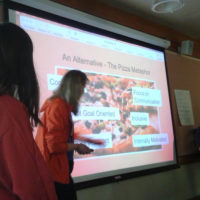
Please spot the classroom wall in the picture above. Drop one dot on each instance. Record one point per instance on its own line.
(183, 73)
(99, 9)
(178, 184)
(1, 11)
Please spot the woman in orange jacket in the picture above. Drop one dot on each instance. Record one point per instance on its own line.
(55, 136)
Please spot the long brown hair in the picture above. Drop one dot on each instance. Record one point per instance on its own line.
(17, 73)
(70, 88)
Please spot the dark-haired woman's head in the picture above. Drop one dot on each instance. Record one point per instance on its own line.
(72, 87)
(17, 74)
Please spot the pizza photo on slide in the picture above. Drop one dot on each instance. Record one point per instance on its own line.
(108, 112)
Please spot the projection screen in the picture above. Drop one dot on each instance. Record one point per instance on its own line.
(126, 102)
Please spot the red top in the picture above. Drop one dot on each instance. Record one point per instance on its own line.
(52, 137)
(23, 172)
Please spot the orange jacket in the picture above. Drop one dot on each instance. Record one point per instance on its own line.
(52, 137)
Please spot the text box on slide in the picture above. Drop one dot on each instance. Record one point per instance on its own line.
(150, 140)
(53, 81)
(146, 96)
(97, 113)
(139, 118)
(106, 137)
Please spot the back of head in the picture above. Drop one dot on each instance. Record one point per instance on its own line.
(71, 88)
(17, 74)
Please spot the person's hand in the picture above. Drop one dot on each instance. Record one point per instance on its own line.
(83, 149)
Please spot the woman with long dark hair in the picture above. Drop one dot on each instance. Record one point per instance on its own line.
(23, 172)
(55, 137)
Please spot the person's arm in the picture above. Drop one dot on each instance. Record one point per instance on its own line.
(89, 140)
(57, 143)
(57, 121)
(19, 173)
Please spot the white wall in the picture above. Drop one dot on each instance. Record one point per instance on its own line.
(178, 184)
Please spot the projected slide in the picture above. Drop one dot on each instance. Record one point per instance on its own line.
(125, 103)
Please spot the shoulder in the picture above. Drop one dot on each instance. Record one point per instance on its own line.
(60, 101)
(56, 109)
(11, 111)
(59, 104)
(11, 106)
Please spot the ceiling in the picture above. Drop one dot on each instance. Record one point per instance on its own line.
(185, 20)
